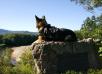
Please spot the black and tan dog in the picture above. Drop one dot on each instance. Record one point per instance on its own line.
(51, 33)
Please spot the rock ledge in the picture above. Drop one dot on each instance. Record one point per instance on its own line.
(58, 57)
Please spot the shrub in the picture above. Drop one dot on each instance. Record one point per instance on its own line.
(5, 65)
(25, 66)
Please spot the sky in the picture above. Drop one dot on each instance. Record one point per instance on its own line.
(18, 15)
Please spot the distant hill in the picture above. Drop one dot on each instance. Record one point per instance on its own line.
(3, 31)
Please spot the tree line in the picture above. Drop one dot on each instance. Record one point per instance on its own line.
(17, 39)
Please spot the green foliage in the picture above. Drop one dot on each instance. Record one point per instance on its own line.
(22, 69)
(2, 45)
(94, 71)
(92, 27)
(89, 71)
(78, 34)
(25, 66)
(100, 51)
(17, 39)
(5, 65)
(1, 36)
(89, 4)
(73, 72)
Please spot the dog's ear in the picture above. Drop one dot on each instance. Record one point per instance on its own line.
(43, 17)
(37, 18)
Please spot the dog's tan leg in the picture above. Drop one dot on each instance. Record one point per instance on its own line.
(40, 39)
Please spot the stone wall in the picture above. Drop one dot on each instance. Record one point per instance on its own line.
(58, 57)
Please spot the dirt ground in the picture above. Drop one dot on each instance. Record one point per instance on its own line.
(17, 52)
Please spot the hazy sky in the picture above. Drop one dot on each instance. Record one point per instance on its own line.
(19, 14)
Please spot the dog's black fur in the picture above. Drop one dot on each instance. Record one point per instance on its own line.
(51, 33)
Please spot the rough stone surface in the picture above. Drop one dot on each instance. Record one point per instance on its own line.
(58, 57)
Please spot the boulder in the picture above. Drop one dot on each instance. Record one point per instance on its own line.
(59, 57)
